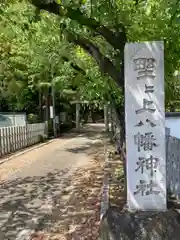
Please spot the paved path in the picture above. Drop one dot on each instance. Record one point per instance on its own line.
(47, 189)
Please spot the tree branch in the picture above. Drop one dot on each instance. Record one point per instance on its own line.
(105, 65)
(74, 66)
(117, 41)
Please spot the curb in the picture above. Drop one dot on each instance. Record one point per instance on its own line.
(105, 190)
(104, 205)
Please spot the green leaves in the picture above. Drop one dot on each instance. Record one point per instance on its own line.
(35, 49)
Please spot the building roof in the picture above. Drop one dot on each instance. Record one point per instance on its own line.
(172, 114)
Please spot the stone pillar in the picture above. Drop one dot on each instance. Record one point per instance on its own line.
(106, 117)
(145, 126)
(78, 116)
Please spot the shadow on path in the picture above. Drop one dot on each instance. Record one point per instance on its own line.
(63, 203)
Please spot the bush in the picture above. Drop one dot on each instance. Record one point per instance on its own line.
(32, 118)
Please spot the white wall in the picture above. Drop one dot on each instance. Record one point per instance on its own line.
(12, 119)
(174, 124)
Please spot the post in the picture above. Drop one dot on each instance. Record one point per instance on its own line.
(145, 126)
(53, 106)
(40, 104)
(111, 117)
(106, 117)
(78, 116)
(46, 108)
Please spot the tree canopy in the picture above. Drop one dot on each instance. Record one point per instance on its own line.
(79, 47)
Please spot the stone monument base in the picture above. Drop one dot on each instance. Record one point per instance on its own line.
(124, 225)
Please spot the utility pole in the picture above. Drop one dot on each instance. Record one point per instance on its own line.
(46, 109)
(53, 105)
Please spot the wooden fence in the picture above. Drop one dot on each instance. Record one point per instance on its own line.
(17, 137)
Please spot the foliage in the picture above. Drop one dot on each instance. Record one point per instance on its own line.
(79, 48)
(102, 27)
(34, 55)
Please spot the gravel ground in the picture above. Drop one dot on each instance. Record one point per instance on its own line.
(120, 224)
(53, 192)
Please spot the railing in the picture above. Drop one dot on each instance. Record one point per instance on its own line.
(17, 137)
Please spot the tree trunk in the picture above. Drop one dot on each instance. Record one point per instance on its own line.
(116, 39)
(40, 106)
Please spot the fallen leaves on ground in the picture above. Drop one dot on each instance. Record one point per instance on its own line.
(78, 217)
